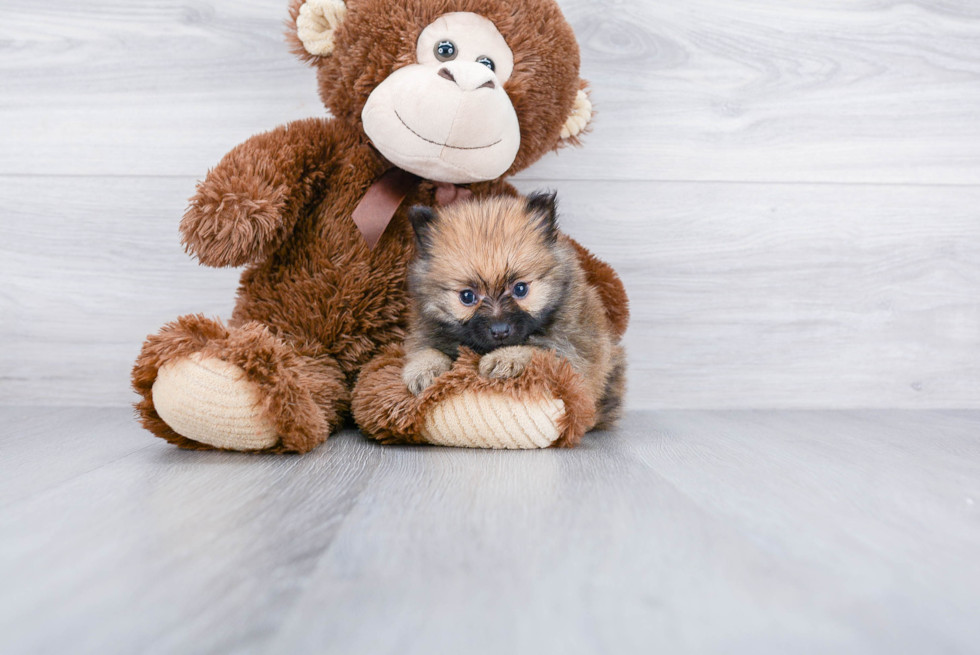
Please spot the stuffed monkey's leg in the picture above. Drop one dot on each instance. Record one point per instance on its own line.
(549, 404)
(208, 386)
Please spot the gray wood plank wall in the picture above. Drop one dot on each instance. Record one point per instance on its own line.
(791, 192)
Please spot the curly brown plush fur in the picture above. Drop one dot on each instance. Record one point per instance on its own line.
(315, 304)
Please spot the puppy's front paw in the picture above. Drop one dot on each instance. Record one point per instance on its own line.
(506, 362)
(423, 367)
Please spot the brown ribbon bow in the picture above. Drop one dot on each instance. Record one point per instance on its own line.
(378, 206)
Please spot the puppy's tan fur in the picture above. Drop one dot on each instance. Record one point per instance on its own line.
(489, 246)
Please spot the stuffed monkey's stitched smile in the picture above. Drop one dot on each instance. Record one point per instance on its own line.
(444, 145)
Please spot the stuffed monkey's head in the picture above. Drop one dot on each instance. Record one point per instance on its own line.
(452, 90)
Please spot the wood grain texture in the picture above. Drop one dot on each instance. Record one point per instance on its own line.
(768, 295)
(90, 266)
(742, 294)
(156, 549)
(682, 532)
(843, 91)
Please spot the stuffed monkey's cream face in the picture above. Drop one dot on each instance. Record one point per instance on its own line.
(447, 118)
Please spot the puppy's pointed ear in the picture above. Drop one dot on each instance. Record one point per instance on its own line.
(543, 205)
(422, 219)
(579, 118)
(312, 27)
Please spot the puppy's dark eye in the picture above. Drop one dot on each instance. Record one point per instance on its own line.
(445, 50)
(467, 297)
(486, 61)
(520, 289)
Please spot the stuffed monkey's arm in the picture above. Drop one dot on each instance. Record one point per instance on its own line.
(247, 205)
(602, 276)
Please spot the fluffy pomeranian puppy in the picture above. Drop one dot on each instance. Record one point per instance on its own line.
(497, 277)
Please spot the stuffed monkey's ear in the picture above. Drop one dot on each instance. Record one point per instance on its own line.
(579, 118)
(543, 205)
(315, 22)
(422, 218)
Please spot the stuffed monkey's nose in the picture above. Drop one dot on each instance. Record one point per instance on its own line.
(468, 76)
(500, 331)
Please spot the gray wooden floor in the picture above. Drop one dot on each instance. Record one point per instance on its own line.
(685, 531)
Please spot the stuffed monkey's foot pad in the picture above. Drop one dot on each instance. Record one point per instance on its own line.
(493, 420)
(212, 402)
(545, 406)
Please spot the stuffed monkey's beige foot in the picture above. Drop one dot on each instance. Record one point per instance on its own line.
(548, 404)
(493, 420)
(204, 385)
(212, 402)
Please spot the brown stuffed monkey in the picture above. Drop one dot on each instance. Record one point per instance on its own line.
(431, 101)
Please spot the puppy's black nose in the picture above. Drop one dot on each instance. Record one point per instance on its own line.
(500, 331)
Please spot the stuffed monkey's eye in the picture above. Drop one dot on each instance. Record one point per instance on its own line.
(445, 50)
(520, 289)
(486, 61)
(467, 297)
